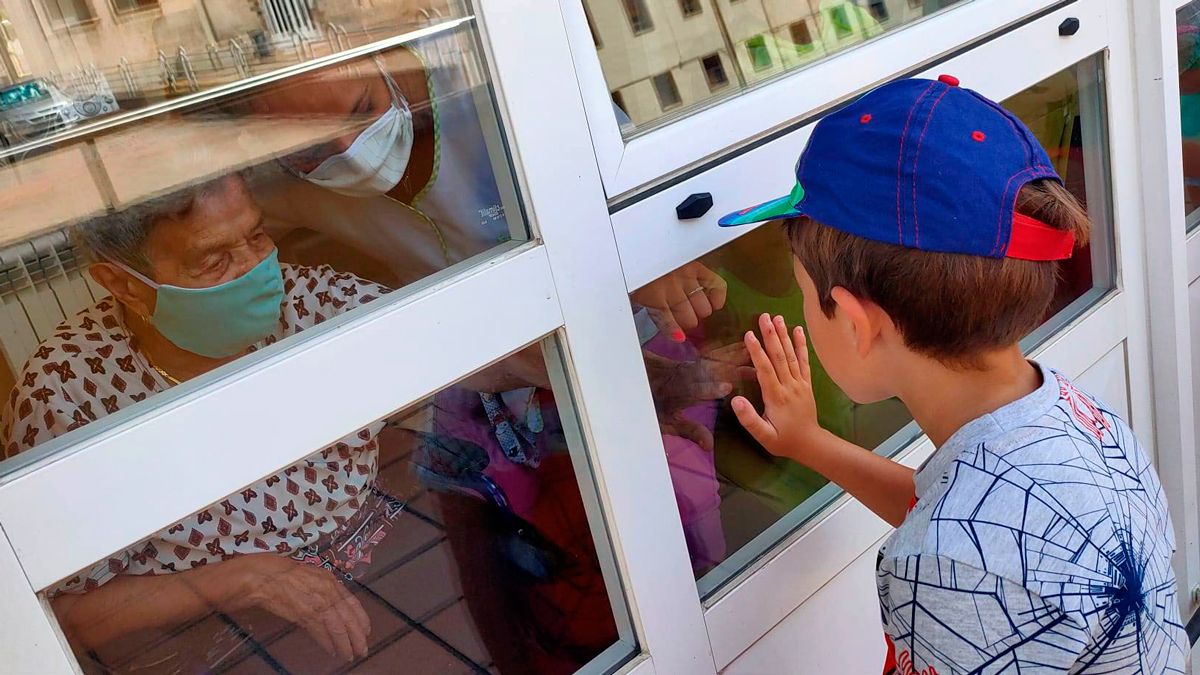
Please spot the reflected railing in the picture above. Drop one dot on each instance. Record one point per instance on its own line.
(148, 84)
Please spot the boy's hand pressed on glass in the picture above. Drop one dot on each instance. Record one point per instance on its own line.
(788, 426)
(789, 420)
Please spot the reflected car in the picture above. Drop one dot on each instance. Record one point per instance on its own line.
(33, 108)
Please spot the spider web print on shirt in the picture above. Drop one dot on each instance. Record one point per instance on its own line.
(1041, 543)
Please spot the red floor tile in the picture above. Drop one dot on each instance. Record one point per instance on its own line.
(455, 626)
(415, 654)
(423, 586)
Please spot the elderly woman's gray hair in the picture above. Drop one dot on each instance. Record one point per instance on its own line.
(120, 236)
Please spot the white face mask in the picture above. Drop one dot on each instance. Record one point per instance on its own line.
(376, 160)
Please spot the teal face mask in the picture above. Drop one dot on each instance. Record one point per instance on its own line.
(222, 320)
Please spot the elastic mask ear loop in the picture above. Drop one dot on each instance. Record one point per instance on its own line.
(136, 275)
(398, 99)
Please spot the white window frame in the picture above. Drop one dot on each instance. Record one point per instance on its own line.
(1157, 37)
(393, 356)
(1175, 252)
(652, 242)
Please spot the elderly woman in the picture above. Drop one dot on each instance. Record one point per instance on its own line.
(195, 283)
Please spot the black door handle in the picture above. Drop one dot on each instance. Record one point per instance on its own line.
(1068, 27)
(694, 206)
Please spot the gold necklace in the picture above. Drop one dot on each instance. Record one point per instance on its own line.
(169, 377)
(146, 355)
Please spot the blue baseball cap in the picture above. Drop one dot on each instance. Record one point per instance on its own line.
(924, 164)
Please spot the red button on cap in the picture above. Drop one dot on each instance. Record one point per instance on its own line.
(949, 79)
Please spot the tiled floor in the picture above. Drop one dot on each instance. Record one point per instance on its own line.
(419, 620)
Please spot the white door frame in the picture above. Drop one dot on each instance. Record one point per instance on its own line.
(601, 340)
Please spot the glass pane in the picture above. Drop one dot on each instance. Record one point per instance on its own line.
(1067, 114)
(141, 52)
(450, 537)
(1188, 38)
(162, 249)
(735, 499)
(641, 42)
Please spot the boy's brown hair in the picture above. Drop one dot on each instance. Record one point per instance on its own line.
(947, 306)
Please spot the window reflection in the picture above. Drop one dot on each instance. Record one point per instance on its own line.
(643, 42)
(639, 16)
(714, 72)
(138, 52)
(450, 537)
(735, 499)
(143, 255)
(1066, 112)
(156, 252)
(1188, 39)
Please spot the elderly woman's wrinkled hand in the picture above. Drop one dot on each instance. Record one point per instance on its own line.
(305, 595)
(679, 385)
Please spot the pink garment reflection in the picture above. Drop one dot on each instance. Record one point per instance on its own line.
(693, 469)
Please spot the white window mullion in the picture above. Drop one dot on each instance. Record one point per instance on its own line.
(564, 190)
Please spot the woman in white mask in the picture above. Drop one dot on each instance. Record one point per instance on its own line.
(410, 187)
(377, 159)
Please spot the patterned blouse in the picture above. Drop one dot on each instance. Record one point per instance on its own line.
(91, 367)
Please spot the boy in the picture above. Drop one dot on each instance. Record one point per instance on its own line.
(1036, 539)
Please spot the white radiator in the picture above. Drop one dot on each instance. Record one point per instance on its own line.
(42, 282)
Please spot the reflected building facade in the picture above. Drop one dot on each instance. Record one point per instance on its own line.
(661, 57)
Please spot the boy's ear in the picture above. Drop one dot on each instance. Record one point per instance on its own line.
(864, 319)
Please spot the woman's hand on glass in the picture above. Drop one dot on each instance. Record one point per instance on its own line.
(680, 300)
(679, 385)
(305, 595)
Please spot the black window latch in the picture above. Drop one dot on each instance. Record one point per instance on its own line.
(694, 206)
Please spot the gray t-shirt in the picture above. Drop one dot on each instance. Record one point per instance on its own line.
(1040, 542)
